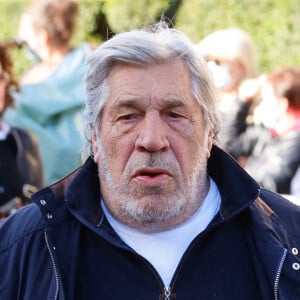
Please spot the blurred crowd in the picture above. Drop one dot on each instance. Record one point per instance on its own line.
(260, 111)
(41, 131)
(45, 106)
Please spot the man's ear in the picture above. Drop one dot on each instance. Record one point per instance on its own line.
(95, 146)
(210, 141)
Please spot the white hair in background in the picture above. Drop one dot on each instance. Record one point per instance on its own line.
(233, 44)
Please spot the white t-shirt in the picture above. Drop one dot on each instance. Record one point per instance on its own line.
(165, 249)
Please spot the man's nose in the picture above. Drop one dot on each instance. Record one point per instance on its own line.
(152, 133)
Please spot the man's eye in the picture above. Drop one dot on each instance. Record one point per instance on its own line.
(127, 117)
(173, 115)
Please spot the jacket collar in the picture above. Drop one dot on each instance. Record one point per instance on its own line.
(238, 190)
(80, 190)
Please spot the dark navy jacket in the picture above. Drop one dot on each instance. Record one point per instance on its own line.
(57, 247)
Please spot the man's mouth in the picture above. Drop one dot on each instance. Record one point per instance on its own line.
(149, 176)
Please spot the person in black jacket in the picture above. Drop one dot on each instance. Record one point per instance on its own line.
(20, 164)
(158, 210)
(267, 140)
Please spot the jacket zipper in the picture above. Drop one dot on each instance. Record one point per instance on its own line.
(54, 266)
(167, 293)
(276, 283)
(166, 290)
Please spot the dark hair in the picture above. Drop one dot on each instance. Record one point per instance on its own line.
(7, 66)
(286, 83)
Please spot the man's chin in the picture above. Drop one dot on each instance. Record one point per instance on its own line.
(151, 223)
(152, 208)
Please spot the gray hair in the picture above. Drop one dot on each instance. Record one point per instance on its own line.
(139, 48)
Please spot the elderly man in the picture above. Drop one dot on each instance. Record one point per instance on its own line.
(158, 210)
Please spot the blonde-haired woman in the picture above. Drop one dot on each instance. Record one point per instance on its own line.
(233, 58)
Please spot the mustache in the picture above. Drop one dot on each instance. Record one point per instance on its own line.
(155, 160)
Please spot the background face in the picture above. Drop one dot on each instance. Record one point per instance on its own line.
(152, 159)
(269, 110)
(28, 34)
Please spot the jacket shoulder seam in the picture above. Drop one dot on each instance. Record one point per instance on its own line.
(17, 239)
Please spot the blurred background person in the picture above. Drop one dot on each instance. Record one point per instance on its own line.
(52, 92)
(232, 58)
(20, 164)
(268, 145)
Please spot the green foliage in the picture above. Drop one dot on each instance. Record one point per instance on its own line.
(86, 21)
(273, 24)
(127, 14)
(9, 18)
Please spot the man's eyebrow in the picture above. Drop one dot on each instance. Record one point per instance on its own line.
(136, 103)
(172, 103)
(128, 103)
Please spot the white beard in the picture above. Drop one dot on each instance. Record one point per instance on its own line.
(141, 206)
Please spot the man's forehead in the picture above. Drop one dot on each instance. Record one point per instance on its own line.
(168, 84)
(122, 69)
